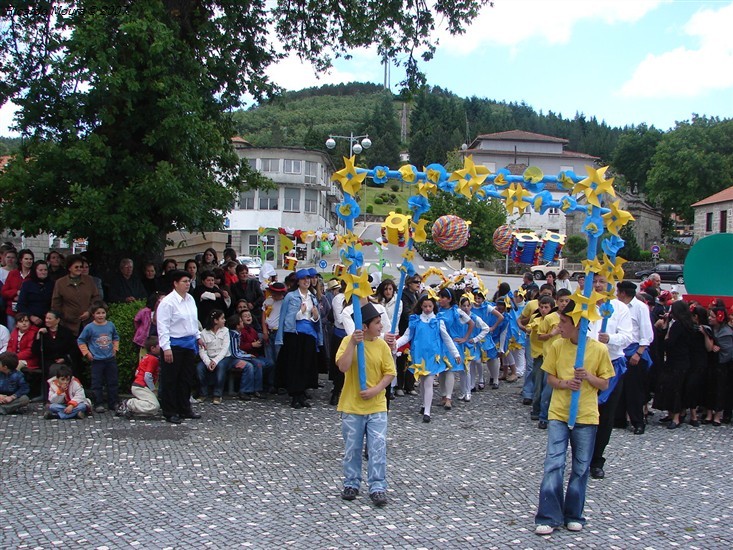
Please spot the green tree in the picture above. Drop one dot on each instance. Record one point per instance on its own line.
(384, 131)
(633, 154)
(125, 107)
(575, 247)
(631, 250)
(485, 217)
(691, 162)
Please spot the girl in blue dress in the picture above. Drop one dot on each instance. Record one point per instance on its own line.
(459, 326)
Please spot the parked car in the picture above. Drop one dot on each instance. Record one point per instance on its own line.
(540, 271)
(671, 273)
(253, 263)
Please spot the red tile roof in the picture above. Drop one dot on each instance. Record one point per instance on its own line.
(520, 135)
(3, 161)
(723, 196)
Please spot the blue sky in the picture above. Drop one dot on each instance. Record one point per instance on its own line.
(623, 61)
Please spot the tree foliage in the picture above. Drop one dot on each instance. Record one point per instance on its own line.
(384, 132)
(485, 217)
(692, 161)
(125, 106)
(633, 154)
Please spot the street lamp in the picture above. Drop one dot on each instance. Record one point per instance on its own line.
(354, 146)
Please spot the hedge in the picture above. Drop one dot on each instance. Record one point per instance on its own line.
(123, 317)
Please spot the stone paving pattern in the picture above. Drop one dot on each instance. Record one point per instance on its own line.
(259, 474)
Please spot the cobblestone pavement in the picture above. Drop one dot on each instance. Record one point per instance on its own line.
(262, 475)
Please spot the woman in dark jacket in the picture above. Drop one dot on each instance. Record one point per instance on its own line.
(55, 344)
(36, 292)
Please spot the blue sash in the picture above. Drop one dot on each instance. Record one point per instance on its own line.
(187, 342)
(306, 327)
(619, 366)
(631, 350)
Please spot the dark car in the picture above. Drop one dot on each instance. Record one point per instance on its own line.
(671, 273)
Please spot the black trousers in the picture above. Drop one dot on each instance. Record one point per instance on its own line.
(636, 391)
(607, 413)
(405, 379)
(176, 379)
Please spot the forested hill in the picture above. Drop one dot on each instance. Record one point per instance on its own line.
(436, 122)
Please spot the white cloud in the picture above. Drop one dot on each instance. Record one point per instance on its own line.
(511, 22)
(7, 112)
(684, 72)
(293, 74)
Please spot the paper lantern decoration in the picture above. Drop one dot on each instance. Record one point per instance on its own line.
(338, 270)
(395, 229)
(503, 238)
(552, 244)
(450, 232)
(525, 248)
(290, 263)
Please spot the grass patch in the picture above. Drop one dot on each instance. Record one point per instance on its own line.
(402, 195)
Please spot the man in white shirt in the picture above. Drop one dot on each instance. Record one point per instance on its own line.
(638, 360)
(179, 338)
(616, 336)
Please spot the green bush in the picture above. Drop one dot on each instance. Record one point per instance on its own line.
(123, 316)
(378, 200)
(398, 210)
(394, 187)
(370, 209)
(645, 255)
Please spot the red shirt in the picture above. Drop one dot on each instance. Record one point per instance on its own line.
(23, 348)
(149, 363)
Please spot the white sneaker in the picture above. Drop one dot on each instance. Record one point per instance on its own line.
(461, 397)
(399, 393)
(467, 398)
(574, 526)
(543, 530)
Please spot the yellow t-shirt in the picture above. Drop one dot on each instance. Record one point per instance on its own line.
(379, 362)
(550, 321)
(560, 362)
(529, 308)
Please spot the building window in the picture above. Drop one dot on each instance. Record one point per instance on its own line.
(311, 172)
(554, 211)
(723, 221)
(268, 200)
(270, 165)
(247, 200)
(709, 222)
(311, 201)
(252, 163)
(291, 199)
(292, 166)
(256, 240)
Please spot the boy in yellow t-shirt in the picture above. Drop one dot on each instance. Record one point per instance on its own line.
(364, 412)
(537, 326)
(554, 510)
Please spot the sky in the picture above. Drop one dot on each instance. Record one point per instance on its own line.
(623, 61)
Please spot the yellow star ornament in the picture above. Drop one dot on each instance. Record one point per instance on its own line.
(419, 370)
(595, 185)
(419, 235)
(612, 271)
(585, 307)
(357, 284)
(349, 178)
(591, 266)
(425, 188)
(469, 178)
(515, 198)
(409, 254)
(616, 218)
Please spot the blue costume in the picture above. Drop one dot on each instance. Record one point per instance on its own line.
(456, 329)
(426, 345)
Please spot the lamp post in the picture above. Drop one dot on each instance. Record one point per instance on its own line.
(354, 148)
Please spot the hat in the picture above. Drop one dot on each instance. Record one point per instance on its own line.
(627, 287)
(312, 272)
(368, 312)
(333, 283)
(277, 287)
(267, 271)
(302, 274)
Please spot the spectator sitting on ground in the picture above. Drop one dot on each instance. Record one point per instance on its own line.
(144, 401)
(125, 286)
(13, 387)
(66, 396)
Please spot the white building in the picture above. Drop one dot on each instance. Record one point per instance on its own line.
(305, 198)
(714, 214)
(517, 150)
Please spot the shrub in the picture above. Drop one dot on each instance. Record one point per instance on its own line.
(370, 209)
(378, 200)
(123, 316)
(398, 210)
(394, 187)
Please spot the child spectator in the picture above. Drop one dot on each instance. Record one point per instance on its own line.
(99, 342)
(252, 344)
(215, 356)
(14, 389)
(251, 377)
(271, 319)
(364, 412)
(145, 322)
(144, 401)
(66, 396)
(21, 342)
(554, 510)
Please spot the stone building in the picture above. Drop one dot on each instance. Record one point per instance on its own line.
(713, 214)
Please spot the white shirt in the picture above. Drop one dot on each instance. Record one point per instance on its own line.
(338, 310)
(217, 346)
(176, 317)
(4, 338)
(348, 320)
(619, 329)
(642, 330)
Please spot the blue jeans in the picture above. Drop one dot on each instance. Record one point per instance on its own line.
(554, 510)
(353, 429)
(540, 381)
(528, 386)
(216, 377)
(58, 408)
(545, 397)
(104, 373)
(255, 370)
